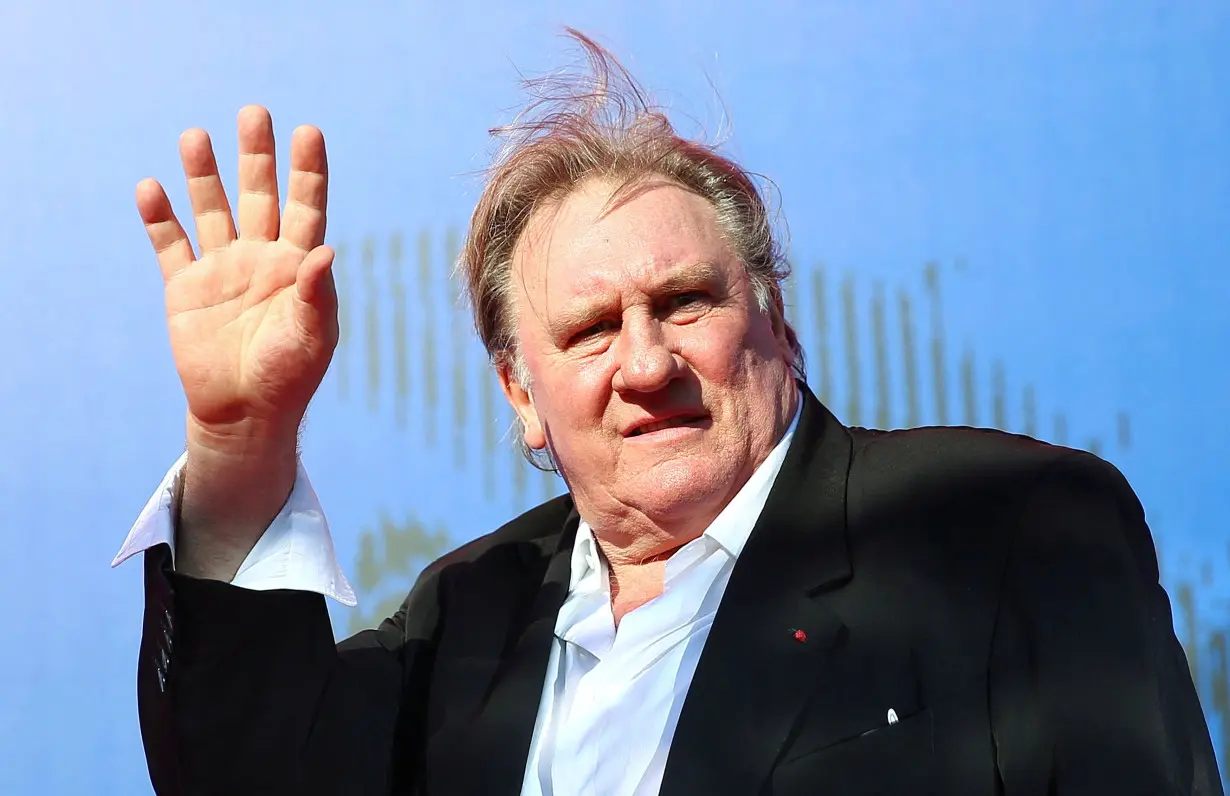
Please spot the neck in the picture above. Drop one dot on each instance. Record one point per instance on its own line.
(633, 585)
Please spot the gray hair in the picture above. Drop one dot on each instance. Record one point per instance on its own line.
(599, 125)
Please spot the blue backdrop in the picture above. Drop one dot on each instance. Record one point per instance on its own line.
(1008, 214)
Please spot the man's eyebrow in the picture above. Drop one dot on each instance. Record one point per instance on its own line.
(583, 314)
(694, 275)
(577, 316)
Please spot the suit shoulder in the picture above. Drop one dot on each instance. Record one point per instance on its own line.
(956, 440)
(961, 465)
(1084, 483)
(957, 451)
(536, 527)
(958, 462)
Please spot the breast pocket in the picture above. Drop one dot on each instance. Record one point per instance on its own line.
(891, 759)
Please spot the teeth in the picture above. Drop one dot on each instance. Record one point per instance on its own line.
(661, 424)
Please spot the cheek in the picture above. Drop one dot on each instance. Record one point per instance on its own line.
(721, 349)
(575, 392)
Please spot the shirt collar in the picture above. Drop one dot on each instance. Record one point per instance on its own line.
(730, 529)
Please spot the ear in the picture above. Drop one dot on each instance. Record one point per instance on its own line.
(523, 404)
(782, 332)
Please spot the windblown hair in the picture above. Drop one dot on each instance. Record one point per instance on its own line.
(598, 124)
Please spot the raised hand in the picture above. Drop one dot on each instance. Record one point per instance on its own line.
(253, 319)
(253, 325)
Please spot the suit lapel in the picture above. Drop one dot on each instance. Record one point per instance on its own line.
(772, 634)
(487, 757)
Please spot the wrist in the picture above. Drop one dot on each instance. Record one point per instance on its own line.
(236, 480)
(249, 440)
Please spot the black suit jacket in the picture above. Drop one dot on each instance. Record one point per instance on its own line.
(1000, 595)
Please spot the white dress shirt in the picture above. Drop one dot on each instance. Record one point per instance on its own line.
(294, 552)
(610, 701)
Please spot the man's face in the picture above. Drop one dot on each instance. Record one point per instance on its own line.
(655, 378)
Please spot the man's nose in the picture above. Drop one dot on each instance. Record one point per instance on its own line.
(645, 361)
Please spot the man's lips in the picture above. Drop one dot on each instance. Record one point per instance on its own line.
(659, 423)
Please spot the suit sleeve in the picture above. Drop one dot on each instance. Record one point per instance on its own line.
(1090, 689)
(243, 691)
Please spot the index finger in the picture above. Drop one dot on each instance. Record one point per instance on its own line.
(303, 221)
(166, 234)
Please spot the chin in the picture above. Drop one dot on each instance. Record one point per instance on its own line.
(677, 485)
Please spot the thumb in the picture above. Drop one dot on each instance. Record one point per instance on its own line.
(317, 293)
(314, 281)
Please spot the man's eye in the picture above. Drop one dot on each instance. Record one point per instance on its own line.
(598, 328)
(682, 300)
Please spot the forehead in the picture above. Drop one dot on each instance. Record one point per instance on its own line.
(588, 243)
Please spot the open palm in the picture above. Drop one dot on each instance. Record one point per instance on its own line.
(253, 319)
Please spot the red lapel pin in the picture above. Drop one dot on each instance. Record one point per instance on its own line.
(799, 635)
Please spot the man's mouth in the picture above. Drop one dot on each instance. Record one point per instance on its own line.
(672, 422)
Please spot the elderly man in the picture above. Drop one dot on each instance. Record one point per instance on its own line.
(737, 595)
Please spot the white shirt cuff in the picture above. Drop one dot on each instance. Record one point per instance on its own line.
(295, 551)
